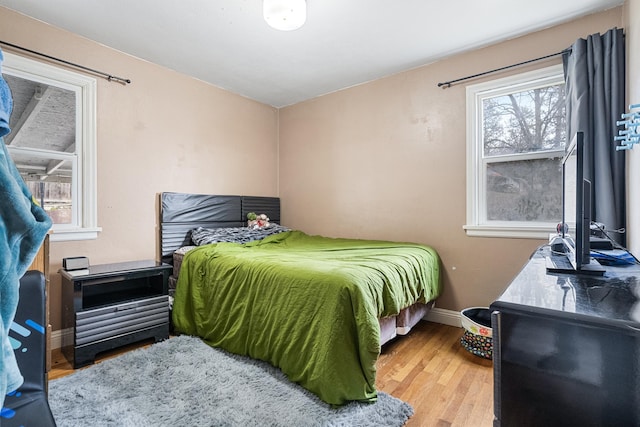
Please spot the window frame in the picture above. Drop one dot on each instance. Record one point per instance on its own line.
(84, 224)
(477, 223)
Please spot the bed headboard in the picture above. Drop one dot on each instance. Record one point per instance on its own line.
(182, 212)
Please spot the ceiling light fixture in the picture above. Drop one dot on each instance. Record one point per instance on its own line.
(285, 15)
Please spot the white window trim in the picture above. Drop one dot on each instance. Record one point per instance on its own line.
(85, 226)
(477, 225)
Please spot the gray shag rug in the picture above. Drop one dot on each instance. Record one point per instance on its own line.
(185, 382)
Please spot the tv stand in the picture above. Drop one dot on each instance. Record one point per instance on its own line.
(566, 348)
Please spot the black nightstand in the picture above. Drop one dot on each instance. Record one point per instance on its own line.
(112, 305)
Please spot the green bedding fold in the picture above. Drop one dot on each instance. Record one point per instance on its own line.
(307, 304)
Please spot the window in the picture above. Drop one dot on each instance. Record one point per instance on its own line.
(516, 136)
(53, 142)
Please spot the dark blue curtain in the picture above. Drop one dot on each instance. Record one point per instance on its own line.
(594, 70)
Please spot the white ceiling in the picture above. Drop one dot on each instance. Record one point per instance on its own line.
(343, 43)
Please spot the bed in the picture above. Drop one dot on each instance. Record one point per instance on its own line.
(318, 308)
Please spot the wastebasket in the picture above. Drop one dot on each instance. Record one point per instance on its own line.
(478, 335)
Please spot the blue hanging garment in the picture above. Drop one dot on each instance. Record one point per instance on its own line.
(6, 103)
(23, 227)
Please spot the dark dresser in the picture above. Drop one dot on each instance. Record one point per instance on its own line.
(112, 305)
(567, 348)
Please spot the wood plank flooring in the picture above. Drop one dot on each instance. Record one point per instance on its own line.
(446, 385)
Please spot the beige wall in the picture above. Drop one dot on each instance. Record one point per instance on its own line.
(632, 31)
(381, 160)
(386, 160)
(163, 132)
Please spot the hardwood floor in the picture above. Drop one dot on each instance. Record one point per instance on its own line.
(445, 384)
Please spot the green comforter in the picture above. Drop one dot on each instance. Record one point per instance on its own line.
(307, 304)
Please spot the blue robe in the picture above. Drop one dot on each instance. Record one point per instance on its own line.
(23, 227)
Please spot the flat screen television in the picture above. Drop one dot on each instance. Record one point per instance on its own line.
(575, 255)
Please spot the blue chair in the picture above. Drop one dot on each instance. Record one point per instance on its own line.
(28, 406)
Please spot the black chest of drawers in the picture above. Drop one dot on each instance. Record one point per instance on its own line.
(567, 348)
(112, 305)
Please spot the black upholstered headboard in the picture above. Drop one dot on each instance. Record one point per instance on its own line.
(182, 212)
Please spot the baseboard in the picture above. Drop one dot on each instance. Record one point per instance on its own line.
(61, 337)
(446, 317)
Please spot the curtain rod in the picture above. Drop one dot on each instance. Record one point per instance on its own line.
(445, 85)
(107, 76)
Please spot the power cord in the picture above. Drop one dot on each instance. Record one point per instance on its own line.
(615, 244)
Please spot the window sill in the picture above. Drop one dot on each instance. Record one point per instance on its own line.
(509, 231)
(74, 234)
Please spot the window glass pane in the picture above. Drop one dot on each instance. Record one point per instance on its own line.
(528, 190)
(43, 117)
(49, 180)
(523, 122)
(53, 131)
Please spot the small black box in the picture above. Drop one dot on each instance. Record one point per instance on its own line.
(75, 263)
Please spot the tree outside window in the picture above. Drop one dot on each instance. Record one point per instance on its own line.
(516, 140)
